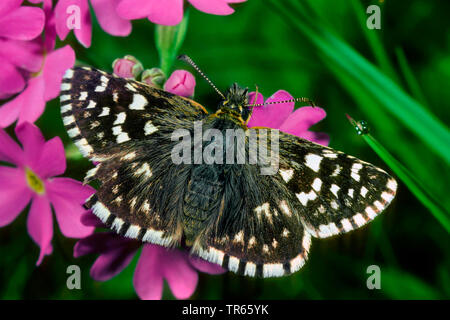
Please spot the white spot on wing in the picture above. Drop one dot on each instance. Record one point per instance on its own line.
(139, 102)
(317, 184)
(83, 96)
(149, 128)
(305, 197)
(144, 169)
(313, 161)
(92, 105)
(364, 191)
(285, 208)
(286, 174)
(120, 118)
(359, 219)
(65, 86)
(68, 74)
(123, 137)
(346, 225)
(273, 270)
(105, 112)
(334, 189)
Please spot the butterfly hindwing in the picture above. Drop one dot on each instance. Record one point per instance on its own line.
(335, 193)
(251, 228)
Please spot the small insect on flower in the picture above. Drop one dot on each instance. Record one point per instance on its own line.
(226, 213)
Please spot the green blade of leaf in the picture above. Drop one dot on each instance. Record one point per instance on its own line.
(407, 178)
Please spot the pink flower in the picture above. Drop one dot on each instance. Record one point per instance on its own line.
(283, 117)
(155, 264)
(43, 83)
(181, 82)
(170, 12)
(18, 25)
(41, 87)
(127, 67)
(32, 179)
(74, 14)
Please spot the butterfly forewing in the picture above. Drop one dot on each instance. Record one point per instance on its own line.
(125, 126)
(100, 110)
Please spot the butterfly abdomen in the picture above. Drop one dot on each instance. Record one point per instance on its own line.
(202, 199)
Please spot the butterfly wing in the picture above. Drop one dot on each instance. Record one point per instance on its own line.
(101, 110)
(267, 220)
(125, 126)
(335, 192)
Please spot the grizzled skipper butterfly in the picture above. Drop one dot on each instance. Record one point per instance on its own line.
(228, 214)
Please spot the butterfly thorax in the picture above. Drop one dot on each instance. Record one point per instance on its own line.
(235, 104)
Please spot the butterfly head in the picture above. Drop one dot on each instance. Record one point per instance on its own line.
(236, 101)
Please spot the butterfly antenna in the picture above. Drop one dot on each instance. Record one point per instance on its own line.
(284, 101)
(187, 59)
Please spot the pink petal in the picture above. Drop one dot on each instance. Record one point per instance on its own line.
(24, 23)
(110, 264)
(10, 151)
(56, 63)
(22, 54)
(9, 112)
(302, 119)
(30, 102)
(91, 220)
(219, 7)
(7, 6)
(70, 188)
(68, 214)
(14, 194)
(83, 34)
(272, 115)
(317, 137)
(148, 279)
(134, 9)
(205, 266)
(180, 275)
(11, 80)
(181, 82)
(166, 12)
(53, 159)
(32, 141)
(115, 253)
(109, 20)
(40, 224)
(251, 100)
(50, 26)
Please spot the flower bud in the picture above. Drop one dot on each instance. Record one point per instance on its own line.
(127, 67)
(181, 82)
(154, 77)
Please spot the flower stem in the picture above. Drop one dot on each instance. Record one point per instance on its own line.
(169, 40)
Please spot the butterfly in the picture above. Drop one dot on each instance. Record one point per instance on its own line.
(253, 224)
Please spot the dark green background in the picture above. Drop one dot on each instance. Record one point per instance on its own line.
(257, 45)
